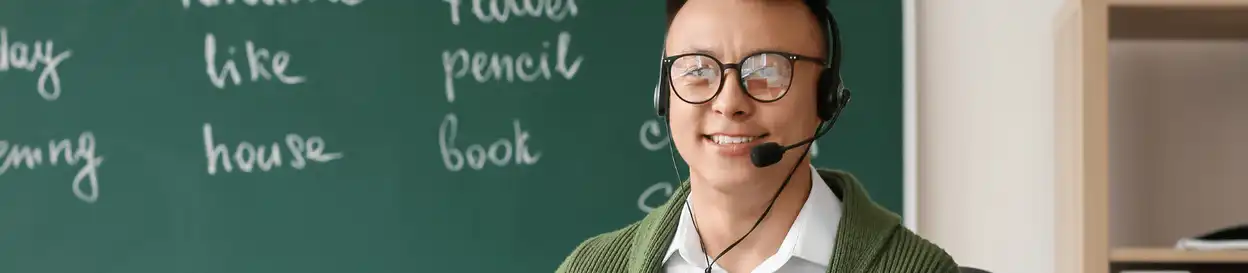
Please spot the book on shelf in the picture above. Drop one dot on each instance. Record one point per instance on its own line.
(1230, 238)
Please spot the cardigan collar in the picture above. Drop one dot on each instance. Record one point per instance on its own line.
(862, 233)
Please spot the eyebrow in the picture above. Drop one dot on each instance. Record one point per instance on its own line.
(698, 50)
(712, 53)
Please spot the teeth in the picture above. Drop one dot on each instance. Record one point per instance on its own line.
(731, 139)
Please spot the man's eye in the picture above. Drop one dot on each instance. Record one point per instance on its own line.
(764, 72)
(697, 72)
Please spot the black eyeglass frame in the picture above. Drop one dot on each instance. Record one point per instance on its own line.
(723, 73)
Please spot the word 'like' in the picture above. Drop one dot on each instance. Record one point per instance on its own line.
(498, 67)
(259, 62)
(19, 55)
(555, 10)
(500, 152)
(248, 156)
(16, 155)
(186, 4)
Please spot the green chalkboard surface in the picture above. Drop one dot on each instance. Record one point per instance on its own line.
(357, 135)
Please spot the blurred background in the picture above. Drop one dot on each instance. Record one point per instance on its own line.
(495, 135)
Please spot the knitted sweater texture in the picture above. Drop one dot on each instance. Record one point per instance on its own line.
(870, 239)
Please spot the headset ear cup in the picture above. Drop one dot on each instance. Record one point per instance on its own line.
(829, 94)
(660, 95)
(661, 89)
(657, 109)
(660, 98)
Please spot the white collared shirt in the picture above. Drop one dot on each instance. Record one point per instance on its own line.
(807, 247)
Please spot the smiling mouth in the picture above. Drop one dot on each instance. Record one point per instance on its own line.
(731, 140)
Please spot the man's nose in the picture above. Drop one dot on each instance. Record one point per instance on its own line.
(732, 101)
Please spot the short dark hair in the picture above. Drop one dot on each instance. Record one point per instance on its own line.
(817, 7)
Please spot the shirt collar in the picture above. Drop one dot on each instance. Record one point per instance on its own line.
(821, 213)
(812, 236)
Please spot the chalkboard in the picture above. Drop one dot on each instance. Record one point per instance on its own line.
(357, 135)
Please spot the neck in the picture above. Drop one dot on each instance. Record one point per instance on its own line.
(724, 215)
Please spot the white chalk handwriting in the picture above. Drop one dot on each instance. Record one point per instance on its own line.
(498, 66)
(248, 157)
(653, 129)
(29, 56)
(260, 64)
(186, 4)
(645, 195)
(16, 156)
(494, 11)
(500, 153)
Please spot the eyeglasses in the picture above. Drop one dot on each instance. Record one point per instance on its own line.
(765, 76)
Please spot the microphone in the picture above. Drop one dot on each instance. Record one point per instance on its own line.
(769, 153)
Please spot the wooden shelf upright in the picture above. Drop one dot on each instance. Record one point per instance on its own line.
(1149, 101)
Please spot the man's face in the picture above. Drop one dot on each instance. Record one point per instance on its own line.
(730, 30)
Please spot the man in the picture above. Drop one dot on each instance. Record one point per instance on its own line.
(745, 72)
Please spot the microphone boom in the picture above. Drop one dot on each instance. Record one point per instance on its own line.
(770, 153)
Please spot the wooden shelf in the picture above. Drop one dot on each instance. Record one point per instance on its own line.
(1168, 255)
(1090, 238)
(1185, 3)
(1178, 19)
(1178, 22)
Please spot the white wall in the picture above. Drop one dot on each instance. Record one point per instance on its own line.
(985, 131)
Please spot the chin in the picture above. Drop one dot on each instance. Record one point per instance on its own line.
(728, 181)
(727, 173)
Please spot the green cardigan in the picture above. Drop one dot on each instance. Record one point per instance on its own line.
(869, 239)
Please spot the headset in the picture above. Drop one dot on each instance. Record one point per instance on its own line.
(831, 96)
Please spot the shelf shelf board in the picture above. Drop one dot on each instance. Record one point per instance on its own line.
(1169, 255)
(1182, 3)
(1184, 22)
